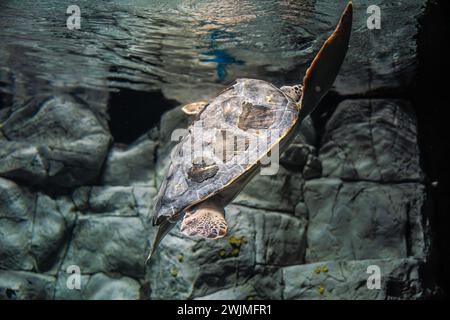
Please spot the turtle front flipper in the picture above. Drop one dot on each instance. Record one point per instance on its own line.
(163, 230)
(325, 67)
(194, 107)
(206, 221)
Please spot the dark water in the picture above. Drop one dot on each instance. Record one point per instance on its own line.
(185, 49)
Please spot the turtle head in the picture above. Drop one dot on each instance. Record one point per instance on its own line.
(293, 92)
(206, 220)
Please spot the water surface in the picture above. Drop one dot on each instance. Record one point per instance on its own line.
(126, 50)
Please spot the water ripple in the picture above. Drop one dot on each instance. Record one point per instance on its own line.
(184, 48)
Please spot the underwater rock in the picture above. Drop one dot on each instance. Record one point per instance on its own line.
(363, 220)
(380, 60)
(125, 201)
(370, 206)
(49, 232)
(108, 244)
(331, 280)
(97, 286)
(16, 213)
(266, 284)
(32, 228)
(372, 140)
(280, 192)
(55, 142)
(102, 287)
(111, 200)
(296, 156)
(20, 285)
(280, 239)
(130, 165)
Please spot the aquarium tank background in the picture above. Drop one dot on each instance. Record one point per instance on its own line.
(91, 91)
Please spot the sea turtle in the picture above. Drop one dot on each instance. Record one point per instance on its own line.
(230, 135)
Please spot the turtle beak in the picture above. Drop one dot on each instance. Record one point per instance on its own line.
(164, 227)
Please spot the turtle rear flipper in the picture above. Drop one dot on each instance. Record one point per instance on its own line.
(325, 67)
(207, 222)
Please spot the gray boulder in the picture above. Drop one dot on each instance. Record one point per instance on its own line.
(21, 285)
(133, 164)
(118, 201)
(102, 287)
(112, 232)
(363, 220)
(16, 212)
(372, 140)
(102, 243)
(370, 206)
(55, 142)
(336, 280)
(32, 229)
(280, 192)
(384, 60)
